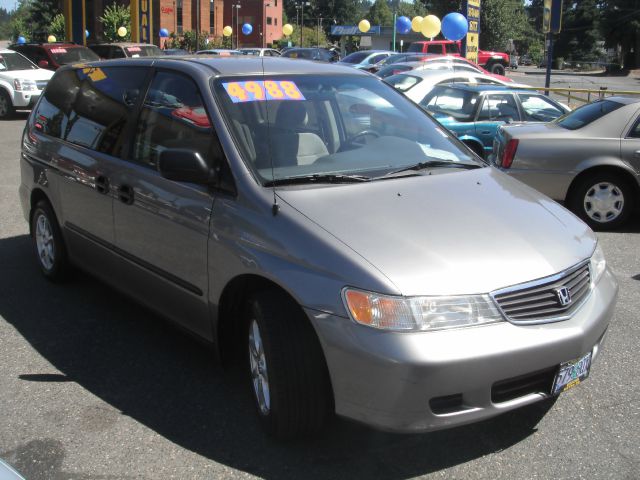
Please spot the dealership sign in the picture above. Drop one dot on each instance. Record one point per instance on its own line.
(473, 34)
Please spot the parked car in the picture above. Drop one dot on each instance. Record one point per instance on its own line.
(126, 50)
(312, 53)
(260, 52)
(416, 84)
(351, 271)
(365, 59)
(221, 52)
(54, 55)
(438, 62)
(21, 82)
(9, 473)
(525, 60)
(398, 58)
(588, 159)
(494, 62)
(175, 51)
(474, 112)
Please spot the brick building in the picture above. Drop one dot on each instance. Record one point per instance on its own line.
(265, 16)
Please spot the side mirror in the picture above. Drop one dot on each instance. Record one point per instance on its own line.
(184, 165)
(43, 64)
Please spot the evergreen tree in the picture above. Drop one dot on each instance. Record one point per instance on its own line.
(580, 35)
(501, 21)
(621, 26)
(41, 14)
(380, 14)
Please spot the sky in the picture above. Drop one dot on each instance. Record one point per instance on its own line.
(8, 4)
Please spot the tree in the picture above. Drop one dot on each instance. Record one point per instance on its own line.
(621, 26)
(114, 17)
(380, 14)
(501, 21)
(57, 28)
(411, 10)
(580, 35)
(41, 14)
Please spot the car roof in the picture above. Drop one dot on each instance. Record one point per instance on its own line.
(49, 45)
(123, 44)
(237, 65)
(623, 100)
(480, 87)
(444, 73)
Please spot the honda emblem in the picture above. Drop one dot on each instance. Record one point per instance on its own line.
(564, 296)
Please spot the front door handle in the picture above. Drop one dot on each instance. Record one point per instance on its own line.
(102, 184)
(636, 154)
(485, 132)
(125, 194)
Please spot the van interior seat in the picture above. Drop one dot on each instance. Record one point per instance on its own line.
(290, 149)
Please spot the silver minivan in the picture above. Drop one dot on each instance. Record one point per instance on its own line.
(314, 224)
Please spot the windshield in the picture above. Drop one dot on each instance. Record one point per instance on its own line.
(355, 57)
(326, 124)
(65, 55)
(444, 101)
(403, 82)
(586, 114)
(143, 51)
(14, 61)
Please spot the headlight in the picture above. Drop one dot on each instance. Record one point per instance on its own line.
(419, 313)
(22, 85)
(598, 264)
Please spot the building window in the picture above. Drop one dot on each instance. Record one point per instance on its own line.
(179, 17)
(268, 20)
(212, 19)
(275, 19)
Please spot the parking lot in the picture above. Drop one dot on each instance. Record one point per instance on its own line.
(93, 386)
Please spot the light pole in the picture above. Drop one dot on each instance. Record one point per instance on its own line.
(236, 7)
(300, 5)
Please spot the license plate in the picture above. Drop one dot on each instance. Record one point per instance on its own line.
(571, 374)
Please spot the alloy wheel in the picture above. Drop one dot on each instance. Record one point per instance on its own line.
(258, 364)
(604, 202)
(44, 242)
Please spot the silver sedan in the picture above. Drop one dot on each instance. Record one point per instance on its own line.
(589, 159)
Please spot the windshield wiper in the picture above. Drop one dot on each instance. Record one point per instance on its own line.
(317, 178)
(432, 164)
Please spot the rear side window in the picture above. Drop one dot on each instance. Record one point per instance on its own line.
(586, 114)
(403, 82)
(173, 116)
(90, 107)
(434, 48)
(451, 48)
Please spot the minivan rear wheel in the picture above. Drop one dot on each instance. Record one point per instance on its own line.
(6, 105)
(48, 243)
(603, 200)
(287, 372)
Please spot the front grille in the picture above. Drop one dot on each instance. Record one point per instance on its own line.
(540, 301)
(516, 387)
(41, 84)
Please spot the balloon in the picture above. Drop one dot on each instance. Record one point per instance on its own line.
(287, 29)
(86, 33)
(227, 31)
(403, 25)
(21, 39)
(164, 33)
(454, 26)
(247, 29)
(416, 24)
(364, 26)
(51, 39)
(430, 26)
(122, 32)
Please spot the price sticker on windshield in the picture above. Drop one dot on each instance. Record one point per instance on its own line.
(259, 91)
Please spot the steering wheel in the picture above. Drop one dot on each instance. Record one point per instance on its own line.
(359, 138)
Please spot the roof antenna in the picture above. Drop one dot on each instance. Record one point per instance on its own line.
(275, 207)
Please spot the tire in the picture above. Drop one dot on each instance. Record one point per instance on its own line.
(603, 200)
(6, 105)
(48, 243)
(287, 371)
(497, 69)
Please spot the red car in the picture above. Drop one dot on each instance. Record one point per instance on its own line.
(494, 62)
(54, 55)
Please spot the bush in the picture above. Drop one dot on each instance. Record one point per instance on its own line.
(114, 17)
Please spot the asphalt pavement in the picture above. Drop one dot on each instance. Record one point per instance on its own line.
(93, 386)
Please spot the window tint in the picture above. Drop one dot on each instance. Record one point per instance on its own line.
(173, 116)
(587, 113)
(635, 131)
(538, 108)
(90, 107)
(499, 107)
(437, 49)
(403, 82)
(451, 48)
(451, 102)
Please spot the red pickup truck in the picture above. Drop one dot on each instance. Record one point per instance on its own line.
(495, 62)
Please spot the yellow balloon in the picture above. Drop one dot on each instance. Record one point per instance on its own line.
(51, 39)
(287, 29)
(430, 26)
(416, 24)
(364, 26)
(122, 32)
(227, 31)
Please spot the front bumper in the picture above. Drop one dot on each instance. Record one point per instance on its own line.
(27, 99)
(413, 382)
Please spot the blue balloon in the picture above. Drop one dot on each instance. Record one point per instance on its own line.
(86, 33)
(454, 26)
(164, 33)
(247, 29)
(21, 39)
(403, 25)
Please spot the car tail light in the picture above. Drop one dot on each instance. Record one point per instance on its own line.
(509, 153)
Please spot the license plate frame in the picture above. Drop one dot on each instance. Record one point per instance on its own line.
(571, 374)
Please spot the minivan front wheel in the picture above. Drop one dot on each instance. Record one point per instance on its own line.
(48, 243)
(287, 372)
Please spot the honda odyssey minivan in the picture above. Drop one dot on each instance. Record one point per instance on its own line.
(316, 225)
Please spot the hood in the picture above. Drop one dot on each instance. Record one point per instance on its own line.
(452, 232)
(35, 74)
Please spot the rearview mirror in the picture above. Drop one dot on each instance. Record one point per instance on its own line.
(184, 165)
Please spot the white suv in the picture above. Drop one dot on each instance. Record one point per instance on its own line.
(21, 82)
